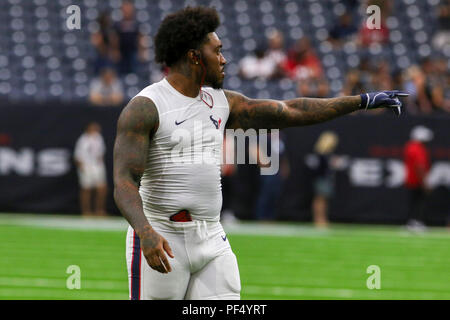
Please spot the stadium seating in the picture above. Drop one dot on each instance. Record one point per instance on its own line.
(41, 60)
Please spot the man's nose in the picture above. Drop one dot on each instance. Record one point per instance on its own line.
(223, 61)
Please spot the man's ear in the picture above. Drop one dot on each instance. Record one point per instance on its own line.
(194, 55)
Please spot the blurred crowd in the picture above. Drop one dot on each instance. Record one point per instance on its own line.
(121, 50)
(428, 81)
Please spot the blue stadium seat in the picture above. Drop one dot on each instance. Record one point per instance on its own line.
(35, 40)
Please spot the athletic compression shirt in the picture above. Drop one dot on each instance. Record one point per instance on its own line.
(184, 156)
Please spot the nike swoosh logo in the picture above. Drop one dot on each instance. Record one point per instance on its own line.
(178, 123)
(224, 238)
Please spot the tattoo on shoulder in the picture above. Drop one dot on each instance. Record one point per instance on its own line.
(254, 113)
(136, 125)
(140, 115)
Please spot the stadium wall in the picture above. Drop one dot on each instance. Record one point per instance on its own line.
(37, 173)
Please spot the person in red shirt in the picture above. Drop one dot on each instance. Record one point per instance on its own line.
(302, 62)
(417, 165)
(368, 36)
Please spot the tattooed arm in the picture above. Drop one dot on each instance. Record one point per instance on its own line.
(255, 113)
(135, 127)
(267, 114)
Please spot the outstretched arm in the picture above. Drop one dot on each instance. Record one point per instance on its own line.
(137, 123)
(248, 113)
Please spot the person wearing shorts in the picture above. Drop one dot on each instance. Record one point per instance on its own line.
(89, 153)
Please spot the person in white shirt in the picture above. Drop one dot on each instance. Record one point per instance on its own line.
(88, 155)
(276, 53)
(257, 65)
(107, 89)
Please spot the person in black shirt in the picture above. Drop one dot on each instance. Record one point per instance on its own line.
(103, 41)
(130, 41)
(343, 30)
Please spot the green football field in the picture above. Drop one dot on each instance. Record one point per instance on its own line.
(276, 261)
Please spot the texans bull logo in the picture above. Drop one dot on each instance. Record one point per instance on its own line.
(216, 122)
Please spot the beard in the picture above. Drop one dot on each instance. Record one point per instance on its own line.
(216, 84)
(211, 79)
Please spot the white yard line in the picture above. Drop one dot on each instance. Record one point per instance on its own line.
(27, 285)
(31, 282)
(244, 228)
(299, 292)
(44, 294)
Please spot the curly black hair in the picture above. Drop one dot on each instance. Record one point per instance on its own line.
(184, 30)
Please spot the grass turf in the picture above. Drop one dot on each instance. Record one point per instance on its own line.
(282, 261)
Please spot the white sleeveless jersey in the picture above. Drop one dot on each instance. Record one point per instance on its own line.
(185, 153)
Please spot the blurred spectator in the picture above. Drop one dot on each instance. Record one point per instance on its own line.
(442, 36)
(276, 53)
(104, 41)
(353, 83)
(131, 42)
(305, 89)
(369, 36)
(350, 5)
(323, 89)
(366, 70)
(320, 164)
(313, 87)
(302, 62)
(417, 164)
(257, 65)
(397, 79)
(426, 85)
(270, 186)
(89, 153)
(381, 79)
(106, 90)
(343, 30)
(359, 80)
(436, 82)
(442, 75)
(415, 86)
